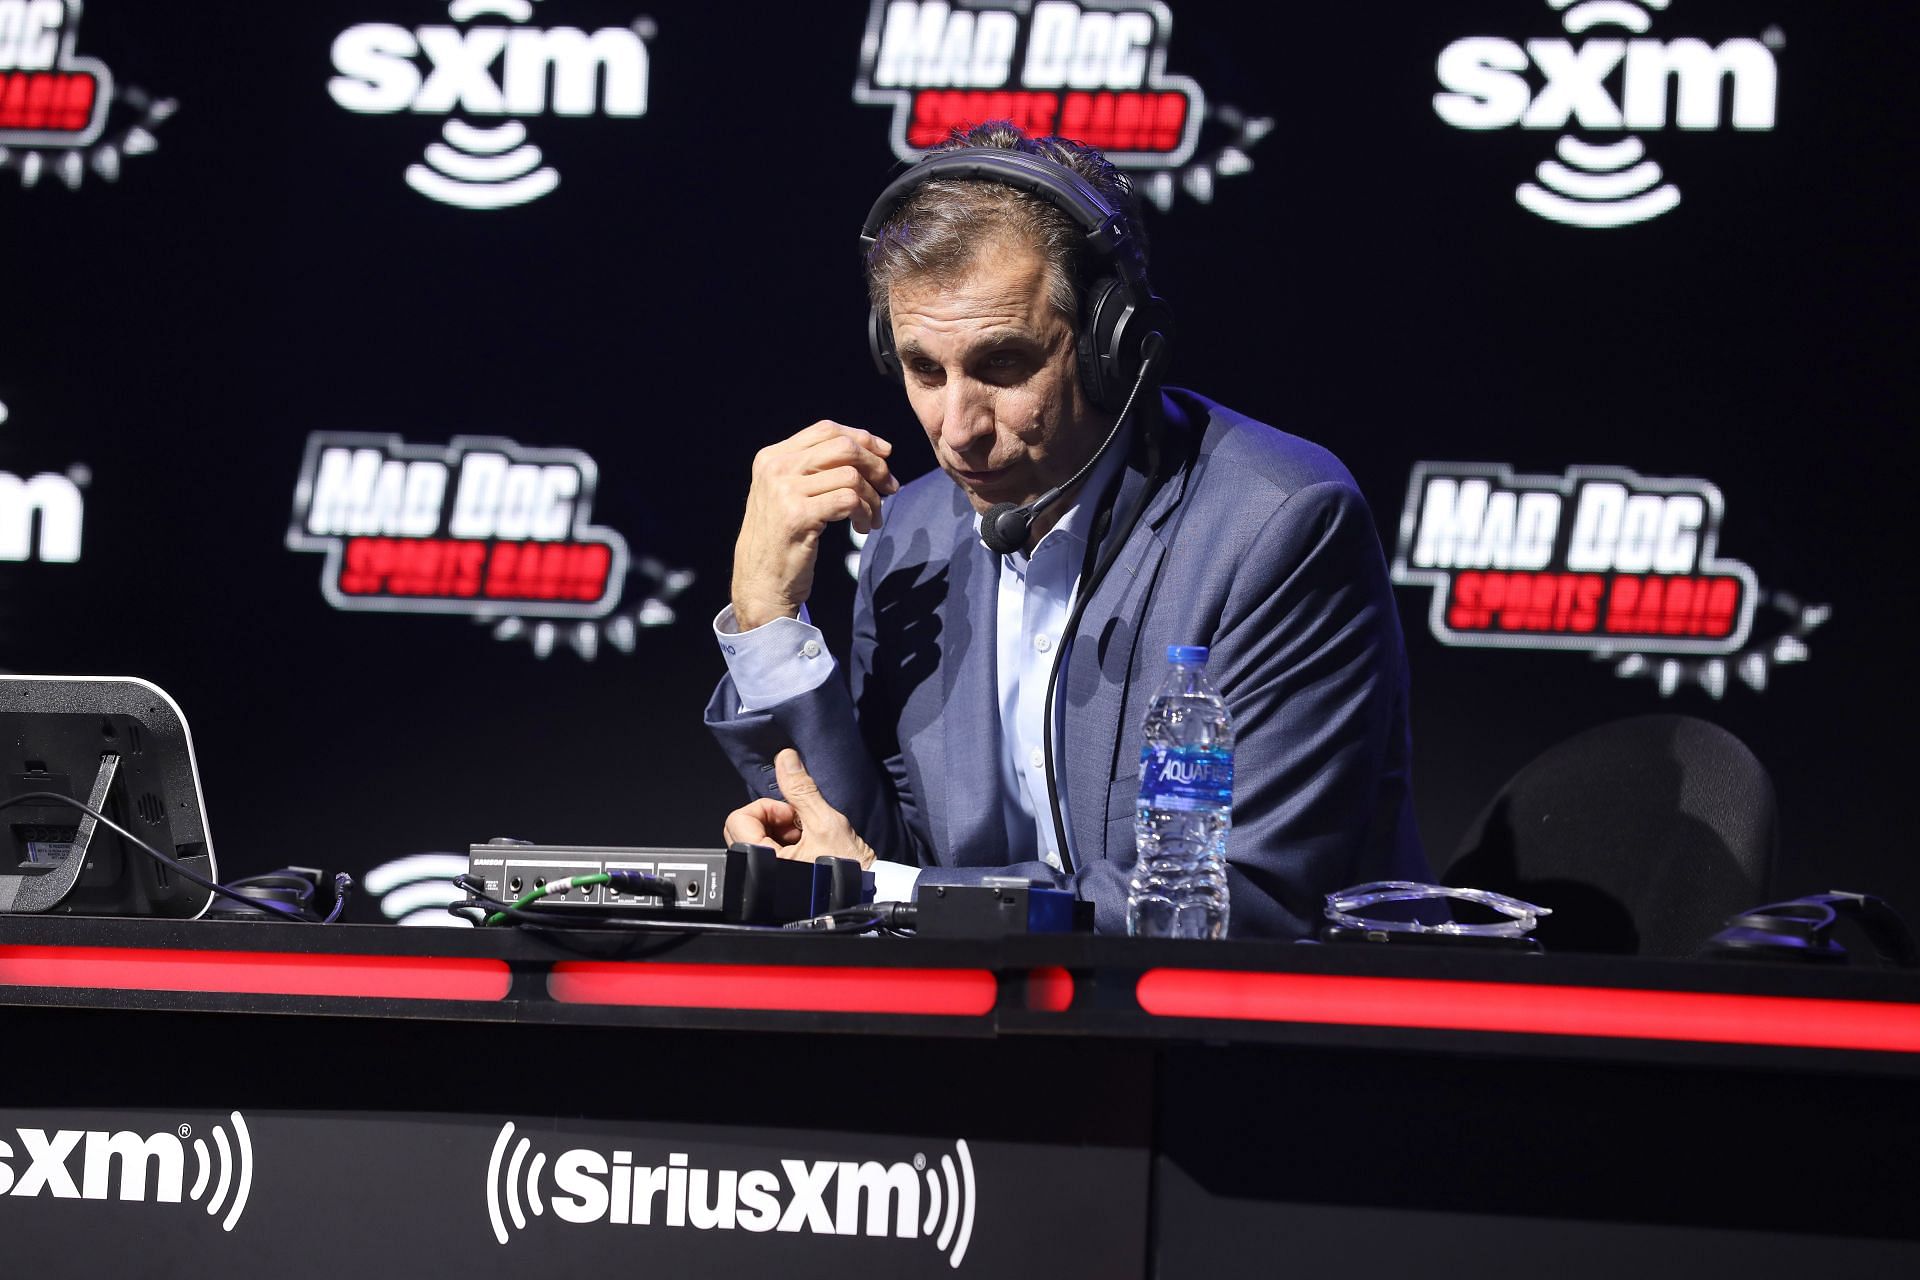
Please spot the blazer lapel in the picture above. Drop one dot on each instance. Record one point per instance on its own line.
(1104, 663)
(975, 834)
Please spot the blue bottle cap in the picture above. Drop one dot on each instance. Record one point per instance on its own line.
(1187, 655)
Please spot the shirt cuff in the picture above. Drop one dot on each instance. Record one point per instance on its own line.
(894, 881)
(774, 662)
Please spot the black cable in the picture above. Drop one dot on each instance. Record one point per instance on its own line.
(290, 881)
(341, 882)
(342, 886)
(563, 919)
(893, 918)
(556, 920)
(1093, 570)
(642, 884)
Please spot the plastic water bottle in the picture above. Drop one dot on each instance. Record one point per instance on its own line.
(1179, 886)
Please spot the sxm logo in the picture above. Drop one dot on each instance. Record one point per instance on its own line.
(907, 1200)
(1604, 180)
(47, 504)
(150, 1166)
(561, 71)
(41, 516)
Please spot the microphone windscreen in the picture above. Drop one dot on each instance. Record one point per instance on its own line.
(1004, 528)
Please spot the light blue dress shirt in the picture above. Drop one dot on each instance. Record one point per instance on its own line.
(788, 657)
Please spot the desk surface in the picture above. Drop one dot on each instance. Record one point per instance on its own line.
(1040, 985)
(1102, 1106)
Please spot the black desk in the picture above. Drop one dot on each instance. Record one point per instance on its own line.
(233, 1099)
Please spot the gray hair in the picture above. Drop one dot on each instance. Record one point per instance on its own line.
(937, 231)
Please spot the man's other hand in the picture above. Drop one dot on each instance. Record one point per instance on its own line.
(801, 485)
(802, 826)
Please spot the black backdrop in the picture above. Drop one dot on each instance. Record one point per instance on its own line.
(689, 292)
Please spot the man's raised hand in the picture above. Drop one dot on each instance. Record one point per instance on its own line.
(824, 473)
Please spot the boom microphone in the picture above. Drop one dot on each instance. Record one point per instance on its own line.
(1005, 526)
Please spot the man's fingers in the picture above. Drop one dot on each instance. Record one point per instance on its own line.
(838, 478)
(807, 437)
(820, 830)
(849, 479)
(827, 430)
(768, 822)
(745, 825)
(841, 504)
(803, 793)
(845, 451)
(866, 439)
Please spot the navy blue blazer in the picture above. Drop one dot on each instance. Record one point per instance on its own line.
(1252, 542)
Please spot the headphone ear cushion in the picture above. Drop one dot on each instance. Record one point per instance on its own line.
(1104, 375)
(880, 344)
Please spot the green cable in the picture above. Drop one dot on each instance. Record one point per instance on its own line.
(541, 891)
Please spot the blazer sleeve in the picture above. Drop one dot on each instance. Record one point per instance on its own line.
(847, 734)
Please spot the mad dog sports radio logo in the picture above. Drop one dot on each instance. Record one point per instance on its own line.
(93, 1164)
(481, 527)
(1094, 72)
(61, 111)
(484, 159)
(1599, 560)
(1606, 87)
(917, 1199)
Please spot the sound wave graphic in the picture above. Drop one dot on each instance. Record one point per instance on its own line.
(1596, 188)
(1600, 186)
(512, 10)
(483, 168)
(417, 889)
(959, 1204)
(511, 1184)
(1619, 13)
(227, 1159)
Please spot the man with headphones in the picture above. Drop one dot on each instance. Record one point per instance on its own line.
(1012, 612)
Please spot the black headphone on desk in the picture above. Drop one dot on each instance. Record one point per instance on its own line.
(1803, 930)
(1118, 309)
(1122, 334)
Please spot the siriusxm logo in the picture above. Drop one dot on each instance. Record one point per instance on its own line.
(562, 71)
(1610, 183)
(825, 1197)
(151, 1166)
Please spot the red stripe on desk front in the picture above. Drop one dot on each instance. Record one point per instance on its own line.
(793, 988)
(1531, 1009)
(254, 973)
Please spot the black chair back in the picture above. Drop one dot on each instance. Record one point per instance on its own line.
(1642, 835)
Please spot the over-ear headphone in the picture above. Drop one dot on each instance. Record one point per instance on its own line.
(1803, 930)
(1118, 309)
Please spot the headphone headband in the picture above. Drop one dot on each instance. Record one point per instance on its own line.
(1105, 227)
